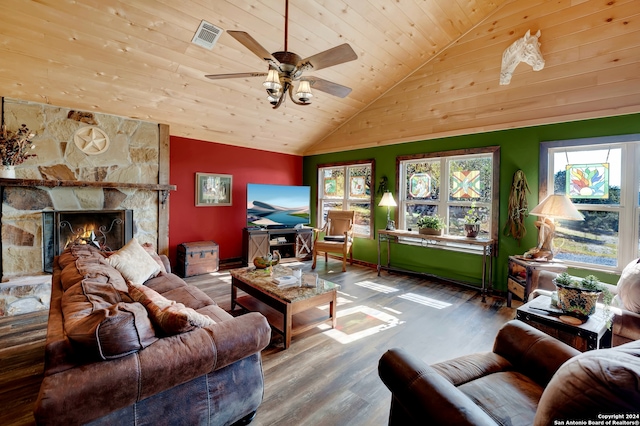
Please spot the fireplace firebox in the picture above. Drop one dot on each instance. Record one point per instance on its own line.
(105, 229)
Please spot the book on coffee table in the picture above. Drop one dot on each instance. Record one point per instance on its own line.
(287, 281)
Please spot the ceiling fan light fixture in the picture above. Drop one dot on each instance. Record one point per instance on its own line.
(303, 94)
(273, 99)
(272, 83)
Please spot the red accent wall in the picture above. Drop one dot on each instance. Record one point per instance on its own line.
(222, 224)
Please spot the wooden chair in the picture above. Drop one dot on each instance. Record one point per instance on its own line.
(338, 236)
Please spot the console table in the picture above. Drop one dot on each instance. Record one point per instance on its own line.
(438, 242)
(290, 242)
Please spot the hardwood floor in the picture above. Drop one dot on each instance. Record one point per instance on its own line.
(326, 377)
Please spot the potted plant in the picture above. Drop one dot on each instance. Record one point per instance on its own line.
(14, 149)
(579, 297)
(472, 221)
(431, 225)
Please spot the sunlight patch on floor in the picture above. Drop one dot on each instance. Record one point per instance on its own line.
(347, 294)
(377, 287)
(427, 301)
(358, 322)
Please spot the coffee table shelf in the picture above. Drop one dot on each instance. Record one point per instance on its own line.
(300, 322)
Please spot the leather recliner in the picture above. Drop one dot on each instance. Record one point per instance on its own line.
(528, 378)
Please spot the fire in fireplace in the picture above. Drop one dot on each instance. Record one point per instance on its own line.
(106, 229)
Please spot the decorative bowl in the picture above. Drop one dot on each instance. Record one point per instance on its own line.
(263, 262)
(577, 301)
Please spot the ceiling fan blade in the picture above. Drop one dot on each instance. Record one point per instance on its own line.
(328, 58)
(327, 86)
(236, 75)
(251, 44)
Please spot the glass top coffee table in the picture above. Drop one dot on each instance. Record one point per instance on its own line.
(290, 310)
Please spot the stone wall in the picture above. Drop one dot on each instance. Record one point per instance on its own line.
(132, 157)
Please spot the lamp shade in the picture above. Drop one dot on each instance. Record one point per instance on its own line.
(557, 206)
(387, 200)
(272, 83)
(304, 91)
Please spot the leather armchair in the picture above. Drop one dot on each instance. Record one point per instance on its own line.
(338, 236)
(625, 326)
(528, 379)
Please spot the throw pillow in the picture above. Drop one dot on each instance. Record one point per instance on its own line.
(152, 252)
(134, 263)
(170, 316)
(629, 286)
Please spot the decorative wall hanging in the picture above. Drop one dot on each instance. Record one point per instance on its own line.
(213, 189)
(420, 185)
(518, 207)
(525, 49)
(91, 140)
(465, 184)
(588, 180)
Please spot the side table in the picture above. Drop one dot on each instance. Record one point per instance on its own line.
(523, 276)
(593, 334)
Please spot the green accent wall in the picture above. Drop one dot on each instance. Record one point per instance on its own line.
(519, 149)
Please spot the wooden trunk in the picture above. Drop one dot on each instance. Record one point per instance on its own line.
(197, 258)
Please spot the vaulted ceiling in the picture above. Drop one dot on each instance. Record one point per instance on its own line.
(425, 68)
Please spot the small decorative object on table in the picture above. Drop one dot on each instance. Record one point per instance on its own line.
(579, 298)
(263, 262)
(310, 280)
(472, 221)
(14, 149)
(431, 225)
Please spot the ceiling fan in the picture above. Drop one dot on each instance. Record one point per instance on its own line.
(286, 67)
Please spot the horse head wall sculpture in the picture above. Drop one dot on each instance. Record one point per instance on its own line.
(525, 49)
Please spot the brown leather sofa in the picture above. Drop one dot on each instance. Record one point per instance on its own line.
(528, 379)
(109, 361)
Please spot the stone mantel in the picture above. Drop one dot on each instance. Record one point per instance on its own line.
(74, 183)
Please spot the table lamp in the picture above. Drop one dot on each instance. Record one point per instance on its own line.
(555, 206)
(388, 202)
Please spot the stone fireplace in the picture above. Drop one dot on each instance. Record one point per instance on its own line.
(131, 175)
(107, 230)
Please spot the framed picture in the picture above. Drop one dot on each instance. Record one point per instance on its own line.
(213, 189)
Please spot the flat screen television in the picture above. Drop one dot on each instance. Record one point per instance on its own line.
(278, 206)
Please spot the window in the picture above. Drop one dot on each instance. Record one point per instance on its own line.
(600, 176)
(449, 184)
(347, 186)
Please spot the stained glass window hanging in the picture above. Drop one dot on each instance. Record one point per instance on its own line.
(465, 184)
(588, 180)
(420, 185)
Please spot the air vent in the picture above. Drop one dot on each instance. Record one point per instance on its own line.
(207, 35)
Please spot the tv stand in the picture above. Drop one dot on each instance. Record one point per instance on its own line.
(292, 244)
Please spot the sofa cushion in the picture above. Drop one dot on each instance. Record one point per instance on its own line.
(509, 397)
(134, 263)
(165, 282)
(190, 296)
(168, 315)
(77, 251)
(98, 321)
(594, 382)
(629, 286)
(98, 314)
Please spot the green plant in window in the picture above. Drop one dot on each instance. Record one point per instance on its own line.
(435, 222)
(473, 215)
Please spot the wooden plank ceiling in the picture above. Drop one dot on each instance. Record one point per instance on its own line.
(426, 68)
